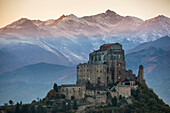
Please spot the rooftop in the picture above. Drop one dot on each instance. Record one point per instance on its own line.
(112, 44)
(71, 85)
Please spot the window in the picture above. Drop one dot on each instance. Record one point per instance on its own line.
(99, 58)
(95, 58)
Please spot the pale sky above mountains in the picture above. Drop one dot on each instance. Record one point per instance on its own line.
(12, 10)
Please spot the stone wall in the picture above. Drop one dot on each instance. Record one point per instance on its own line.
(94, 73)
(124, 91)
(78, 91)
(101, 99)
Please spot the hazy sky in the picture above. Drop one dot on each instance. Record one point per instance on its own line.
(12, 10)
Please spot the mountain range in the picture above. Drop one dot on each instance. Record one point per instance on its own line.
(25, 44)
(68, 40)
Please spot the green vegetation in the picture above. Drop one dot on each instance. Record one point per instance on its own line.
(41, 109)
(75, 106)
(55, 109)
(26, 108)
(63, 96)
(72, 97)
(11, 102)
(146, 101)
(143, 100)
(114, 101)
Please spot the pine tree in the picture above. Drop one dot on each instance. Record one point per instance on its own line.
(32, 109)
(114, 101)
(55, 87)
(75, 106)
(17, 108)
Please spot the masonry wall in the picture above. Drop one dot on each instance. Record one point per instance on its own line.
(124, 91)
(78, 91)
(94, 73)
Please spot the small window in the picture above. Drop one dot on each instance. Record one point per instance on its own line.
(119, 65)
(99, 58)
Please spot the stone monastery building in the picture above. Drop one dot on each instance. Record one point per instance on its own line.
(105, 66)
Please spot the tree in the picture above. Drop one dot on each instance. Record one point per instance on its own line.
(63, 96)
(55, 87)
(75, 106)
(68, 106)
(51, 94)
(57, 96)
(63, 106)
(33, 102)
(41, 109)
(17, 108)
(55, 108)
(25, 109)
(114, 101)
(11, 102)
(120, 97)
(20, 102)
(108, 93)
(72, 97)
(32, 109)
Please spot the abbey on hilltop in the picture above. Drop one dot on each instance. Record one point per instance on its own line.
(105, 67)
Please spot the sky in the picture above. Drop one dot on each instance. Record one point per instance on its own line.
(12, 10)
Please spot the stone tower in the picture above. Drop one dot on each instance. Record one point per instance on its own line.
(110, 57)
(140, 77)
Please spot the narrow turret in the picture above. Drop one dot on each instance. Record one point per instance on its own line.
(140, 77)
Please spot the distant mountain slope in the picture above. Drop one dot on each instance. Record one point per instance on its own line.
(33, 81)
(163, 42)
(156, 61)
(22, 54)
